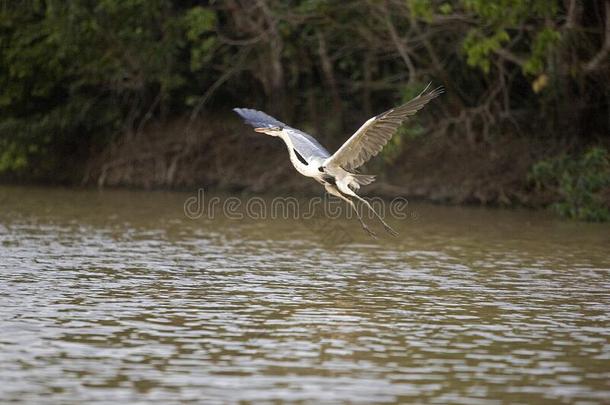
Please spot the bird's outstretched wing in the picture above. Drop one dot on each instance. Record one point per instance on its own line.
(372, 136)
(258, 119)
(306, 145)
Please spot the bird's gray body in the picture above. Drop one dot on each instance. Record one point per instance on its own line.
(336, 172)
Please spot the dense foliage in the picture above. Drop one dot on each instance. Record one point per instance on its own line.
(75, 73)
(579, 181)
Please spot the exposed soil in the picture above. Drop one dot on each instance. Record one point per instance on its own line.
(222, 153)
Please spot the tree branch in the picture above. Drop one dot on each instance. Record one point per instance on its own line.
(601, 57)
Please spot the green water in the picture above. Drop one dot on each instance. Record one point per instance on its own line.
(119, 296)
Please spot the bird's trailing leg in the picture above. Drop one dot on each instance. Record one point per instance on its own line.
(351, 203)
(364, 226)
(387, 227)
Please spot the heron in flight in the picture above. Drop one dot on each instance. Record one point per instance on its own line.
(337, 172)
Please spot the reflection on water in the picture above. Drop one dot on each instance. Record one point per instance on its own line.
(119, 296)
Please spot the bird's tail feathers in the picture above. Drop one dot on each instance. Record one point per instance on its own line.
(360, 180)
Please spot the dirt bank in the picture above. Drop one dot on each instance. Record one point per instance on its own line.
(220, 152)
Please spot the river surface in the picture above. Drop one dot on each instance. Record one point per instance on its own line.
(119, 296)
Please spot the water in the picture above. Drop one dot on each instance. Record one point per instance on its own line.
(117, 296)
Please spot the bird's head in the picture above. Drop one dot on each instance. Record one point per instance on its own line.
(273, 131)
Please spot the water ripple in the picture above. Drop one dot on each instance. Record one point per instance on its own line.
(130, 309)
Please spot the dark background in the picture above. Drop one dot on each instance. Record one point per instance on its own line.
(139, 93)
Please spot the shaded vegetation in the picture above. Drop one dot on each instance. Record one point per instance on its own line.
(580, 183)
(77, 76)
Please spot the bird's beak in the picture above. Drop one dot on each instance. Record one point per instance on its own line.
(268, 131)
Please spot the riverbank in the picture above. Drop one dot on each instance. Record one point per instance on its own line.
(227, 155)
(97, 98)
(219, 152)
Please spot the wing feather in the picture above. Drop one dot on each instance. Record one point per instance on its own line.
(374, 134)
(306, 145)
(258, 119)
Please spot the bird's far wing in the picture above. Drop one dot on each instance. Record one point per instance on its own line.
(305, 144)
(372, 136)
(258, 119)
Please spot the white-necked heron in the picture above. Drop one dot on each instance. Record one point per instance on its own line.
(337, 172)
